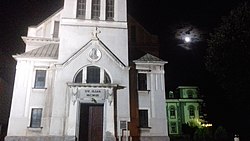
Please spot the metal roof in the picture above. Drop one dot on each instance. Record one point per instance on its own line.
(46, 51)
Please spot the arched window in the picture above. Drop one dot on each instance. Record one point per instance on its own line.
(106, 78)
(92, 74)
(172, 112)
(191, 111)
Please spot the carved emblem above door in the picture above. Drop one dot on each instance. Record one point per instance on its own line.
(94, 54)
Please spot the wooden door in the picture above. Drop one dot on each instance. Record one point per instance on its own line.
(91, 122)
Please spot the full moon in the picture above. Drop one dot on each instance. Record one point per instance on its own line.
(187, 39)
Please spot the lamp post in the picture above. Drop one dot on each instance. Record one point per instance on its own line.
(236, 138)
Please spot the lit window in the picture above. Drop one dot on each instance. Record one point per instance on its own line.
(191, 111)
(172, 112)
(109, 9)
(142, 81)
(36, 117)
(143, 118)
(81, 9)
(95, 13)
(40, 79)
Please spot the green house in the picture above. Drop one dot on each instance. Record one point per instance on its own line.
(183, 105)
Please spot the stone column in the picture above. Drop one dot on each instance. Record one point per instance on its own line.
(109, 131)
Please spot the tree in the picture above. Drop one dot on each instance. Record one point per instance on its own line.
(228, 53)
(228, 59)
(189, 130)
(220, 134)
(203, 134)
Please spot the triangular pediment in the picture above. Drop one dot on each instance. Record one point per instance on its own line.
(94, 50)
(149, 59)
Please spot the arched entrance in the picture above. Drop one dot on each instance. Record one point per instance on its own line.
(92, 109)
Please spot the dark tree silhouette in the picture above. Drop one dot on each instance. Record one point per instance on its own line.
(228, 55)
(228, 59)
(221, 134)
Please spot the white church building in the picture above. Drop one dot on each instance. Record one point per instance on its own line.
(81, 78)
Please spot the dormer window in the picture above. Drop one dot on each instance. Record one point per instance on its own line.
(109, 10)
(95, 12)
(81, 9)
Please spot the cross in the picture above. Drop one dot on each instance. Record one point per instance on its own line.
(95, 32)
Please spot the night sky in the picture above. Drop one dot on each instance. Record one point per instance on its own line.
(160, 17)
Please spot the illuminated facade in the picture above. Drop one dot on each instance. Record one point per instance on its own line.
(183, 105)
(80, 79)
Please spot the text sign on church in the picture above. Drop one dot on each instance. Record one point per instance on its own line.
(92, 93)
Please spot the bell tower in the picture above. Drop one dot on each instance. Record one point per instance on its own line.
(98, 10)
(81, 17)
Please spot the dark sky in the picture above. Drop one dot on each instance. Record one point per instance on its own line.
(161, 17)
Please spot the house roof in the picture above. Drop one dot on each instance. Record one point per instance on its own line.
(46, 51)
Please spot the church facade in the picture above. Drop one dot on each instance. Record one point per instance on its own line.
(77, 79)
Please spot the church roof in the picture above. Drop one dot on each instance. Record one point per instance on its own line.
(46, 51)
